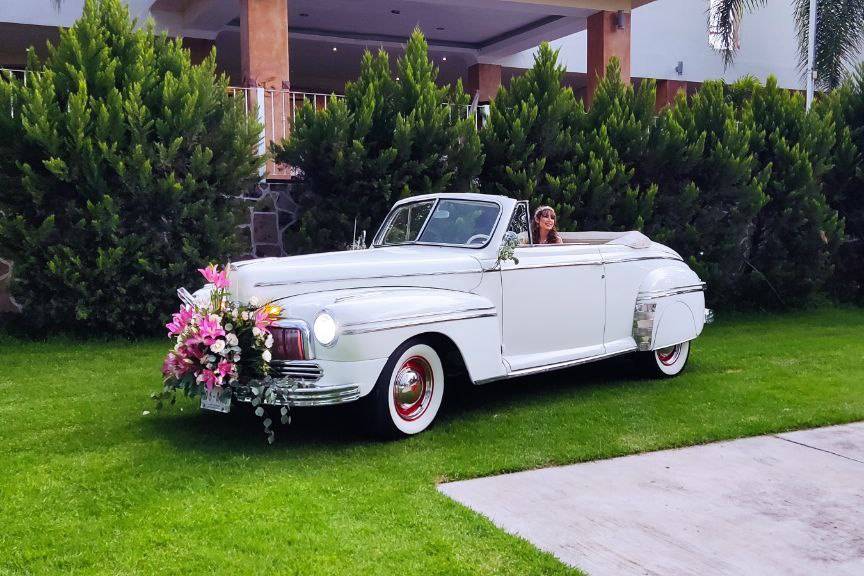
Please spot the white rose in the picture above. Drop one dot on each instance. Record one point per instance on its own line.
(269, 341)
(266, 356)
(256, 331)
(244, 315)
(229, 327)
(232, 339)
(253, 301)
(218, 346)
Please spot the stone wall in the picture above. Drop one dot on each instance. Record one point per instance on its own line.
(7, 303)
(272, 209)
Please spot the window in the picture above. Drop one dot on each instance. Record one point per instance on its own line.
(520, 223)
(406, 222)
(452, 222)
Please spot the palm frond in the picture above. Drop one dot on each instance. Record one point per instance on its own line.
(839, 38)
(724, 19)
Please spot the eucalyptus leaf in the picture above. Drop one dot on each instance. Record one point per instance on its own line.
(259, 411)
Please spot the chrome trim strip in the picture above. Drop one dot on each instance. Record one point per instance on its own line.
(297, 369)
(422, 319)
(289, 393)
(556, 366)
(308, 345)
(671, 292)
(598, 262)
(565, 265)
(291, 283)
(638, 258)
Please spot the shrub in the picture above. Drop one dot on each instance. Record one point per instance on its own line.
(385, 140)
(796, 233)
(844, 181)
(541, 145)
(710, 187)
(117, 170)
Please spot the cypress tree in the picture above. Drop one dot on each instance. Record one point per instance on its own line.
(385, 140)
(796, 233)
(618, 130)
(844, 181)
(118, 166)
(530, 136)
(712, 188)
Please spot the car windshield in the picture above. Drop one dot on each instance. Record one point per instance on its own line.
(451, 222)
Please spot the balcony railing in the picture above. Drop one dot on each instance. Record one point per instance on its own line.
(276, 110)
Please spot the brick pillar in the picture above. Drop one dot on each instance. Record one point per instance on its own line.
(667, 90)
(485, 78)
(264, 42)
(605, 40)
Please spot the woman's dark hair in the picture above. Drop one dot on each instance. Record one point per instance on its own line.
(552, 237)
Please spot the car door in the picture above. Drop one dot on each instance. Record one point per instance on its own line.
(553, 304)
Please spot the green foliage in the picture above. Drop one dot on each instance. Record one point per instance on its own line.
(530, 135)
(116, 170)
(385, 140)
(796, 233)
(710, 187)
(541, 145)
(844, 181)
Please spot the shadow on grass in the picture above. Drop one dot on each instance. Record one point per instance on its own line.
(348, 426)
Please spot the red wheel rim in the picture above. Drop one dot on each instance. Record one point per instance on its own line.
(412, 388)
(668, 356)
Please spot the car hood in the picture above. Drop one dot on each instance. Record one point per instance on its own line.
(275, 278)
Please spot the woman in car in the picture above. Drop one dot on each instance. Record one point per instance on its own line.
(543, 227)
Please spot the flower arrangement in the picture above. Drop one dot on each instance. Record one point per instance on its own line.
(219, 345)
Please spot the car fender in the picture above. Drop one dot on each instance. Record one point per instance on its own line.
(373, 322)
(670, 308)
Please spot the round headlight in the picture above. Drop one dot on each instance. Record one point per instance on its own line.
(325, 329)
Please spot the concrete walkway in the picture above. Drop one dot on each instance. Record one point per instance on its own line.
(789, 504)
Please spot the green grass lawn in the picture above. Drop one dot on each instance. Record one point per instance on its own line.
(89, 484)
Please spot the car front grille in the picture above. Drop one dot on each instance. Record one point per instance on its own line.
(297, 370)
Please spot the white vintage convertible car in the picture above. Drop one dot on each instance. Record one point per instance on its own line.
(431, 298)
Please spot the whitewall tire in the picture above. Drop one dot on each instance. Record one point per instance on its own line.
(666, 362)
(409, 391)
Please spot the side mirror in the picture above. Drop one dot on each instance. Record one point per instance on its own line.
(508, 247)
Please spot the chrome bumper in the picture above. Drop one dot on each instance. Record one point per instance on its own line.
(709, 316)
(289, 392)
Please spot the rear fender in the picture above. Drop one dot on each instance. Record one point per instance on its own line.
(670, 308)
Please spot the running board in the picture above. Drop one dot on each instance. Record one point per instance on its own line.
(556, 366)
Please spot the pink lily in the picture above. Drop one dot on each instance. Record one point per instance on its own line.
(216, 277)
(180, 320)
(209, 329)
(262, 319)
(224, 368)
(175, 365)
(210, 379)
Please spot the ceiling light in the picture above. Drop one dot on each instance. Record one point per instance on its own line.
(334, 49)
(444, 58)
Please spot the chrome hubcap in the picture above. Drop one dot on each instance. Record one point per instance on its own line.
(412, 388)
(669, 355)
